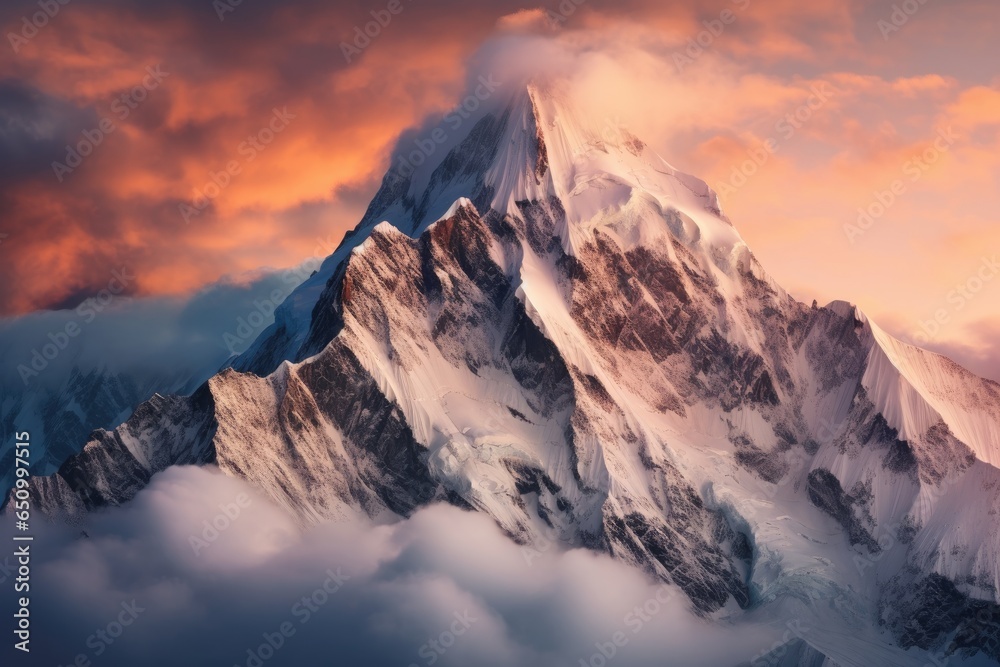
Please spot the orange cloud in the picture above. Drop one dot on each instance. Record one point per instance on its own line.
(314, 179)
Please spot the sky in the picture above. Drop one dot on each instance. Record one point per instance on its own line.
(856, 145)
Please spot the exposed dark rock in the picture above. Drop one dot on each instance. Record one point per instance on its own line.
(826, 493)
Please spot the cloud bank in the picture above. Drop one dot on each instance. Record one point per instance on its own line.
(199, 570)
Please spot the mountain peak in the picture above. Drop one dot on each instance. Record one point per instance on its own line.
(520, 151)
(529, 143)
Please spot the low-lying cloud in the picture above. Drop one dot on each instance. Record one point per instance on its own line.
(144, 338)
(201, 570)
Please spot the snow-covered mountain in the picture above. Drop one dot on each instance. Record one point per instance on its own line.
(548, 323)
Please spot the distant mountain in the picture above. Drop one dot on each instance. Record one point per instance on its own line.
(60, 387)
(548, 323)
(61, 418)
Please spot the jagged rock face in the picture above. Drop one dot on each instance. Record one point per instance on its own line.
(925, 608)
(585, 348)
(115, 465)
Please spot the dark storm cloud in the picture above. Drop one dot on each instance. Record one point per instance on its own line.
(34, 128)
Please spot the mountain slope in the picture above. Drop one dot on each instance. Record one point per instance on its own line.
(557, 328)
